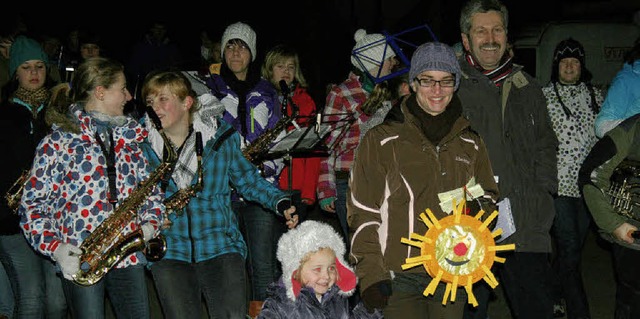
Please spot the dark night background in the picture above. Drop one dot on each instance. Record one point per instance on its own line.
(321, 30)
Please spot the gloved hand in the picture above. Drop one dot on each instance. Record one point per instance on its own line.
(486, 204)
(147, 232)
(377, 295)
(328, 204)
(68, 258)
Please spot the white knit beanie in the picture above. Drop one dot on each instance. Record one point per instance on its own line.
(370, 50)
(240, 31)
(310, 236)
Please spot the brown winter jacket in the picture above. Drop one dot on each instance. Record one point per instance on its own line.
(397, 174)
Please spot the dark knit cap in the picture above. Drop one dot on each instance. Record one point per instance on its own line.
(570, 48)
(435, 56)
(25, 49)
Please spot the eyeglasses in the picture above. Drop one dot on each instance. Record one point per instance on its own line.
(427, 83)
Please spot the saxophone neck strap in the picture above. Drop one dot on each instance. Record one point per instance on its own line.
(223, 137)
(110, 154)
(165, 156)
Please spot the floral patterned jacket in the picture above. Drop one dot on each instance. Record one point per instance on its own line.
(66, 195)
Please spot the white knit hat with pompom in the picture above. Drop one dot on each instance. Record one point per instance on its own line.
(370, 50)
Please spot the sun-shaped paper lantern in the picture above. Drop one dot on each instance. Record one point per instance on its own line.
(458, 249)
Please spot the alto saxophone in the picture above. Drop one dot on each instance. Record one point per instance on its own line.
(255, 151)
(157, 247)
(14, 194)
(107, 245)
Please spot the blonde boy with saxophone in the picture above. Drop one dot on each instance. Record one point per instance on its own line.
(205, 249)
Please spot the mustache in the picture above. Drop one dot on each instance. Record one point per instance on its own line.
(490, 46)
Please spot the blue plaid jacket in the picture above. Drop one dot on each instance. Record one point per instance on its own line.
(208, 227)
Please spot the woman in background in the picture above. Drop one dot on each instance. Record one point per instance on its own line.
(283, 64)
(36, 288)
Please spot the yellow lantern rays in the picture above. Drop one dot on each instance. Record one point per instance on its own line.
(458, 249)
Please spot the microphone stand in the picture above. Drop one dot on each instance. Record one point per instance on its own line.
(288, 161)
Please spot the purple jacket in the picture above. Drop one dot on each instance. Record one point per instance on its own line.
(306, 305)
(262, 109)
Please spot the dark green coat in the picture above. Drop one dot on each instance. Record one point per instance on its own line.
(522, 147)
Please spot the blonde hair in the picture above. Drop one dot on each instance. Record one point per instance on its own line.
(177, 83)
(279, 54)
(380, 93)
(90, 74)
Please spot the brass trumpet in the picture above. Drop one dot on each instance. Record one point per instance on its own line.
(624, 191)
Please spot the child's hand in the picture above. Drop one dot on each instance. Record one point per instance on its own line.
(291, 217)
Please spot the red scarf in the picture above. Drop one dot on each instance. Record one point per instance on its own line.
(498, 74)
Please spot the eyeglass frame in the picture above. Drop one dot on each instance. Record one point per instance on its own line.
(434, 82)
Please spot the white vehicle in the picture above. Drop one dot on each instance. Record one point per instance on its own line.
(605, 44)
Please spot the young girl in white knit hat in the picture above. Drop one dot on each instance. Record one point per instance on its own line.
(316, 282)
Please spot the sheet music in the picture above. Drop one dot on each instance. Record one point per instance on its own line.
(505, 220)
(309, 140)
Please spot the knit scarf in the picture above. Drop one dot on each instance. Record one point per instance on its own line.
(104, 124)
(435, 128)
(367, 83)
(241, 88)
(33, 98)
(498, 74)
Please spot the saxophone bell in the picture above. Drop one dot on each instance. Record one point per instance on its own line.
(95, 265)
(156, 248)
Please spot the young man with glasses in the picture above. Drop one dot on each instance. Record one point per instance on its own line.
(423, 148)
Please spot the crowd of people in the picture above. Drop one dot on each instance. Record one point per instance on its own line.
(119, 170)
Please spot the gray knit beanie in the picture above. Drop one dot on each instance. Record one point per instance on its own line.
(435, 56)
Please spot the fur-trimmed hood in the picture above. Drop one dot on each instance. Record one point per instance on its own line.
(310, 236)
(62, 117)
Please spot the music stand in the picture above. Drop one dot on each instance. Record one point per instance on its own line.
(300, 142)
(308, 142)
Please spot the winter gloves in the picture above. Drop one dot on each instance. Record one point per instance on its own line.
(147, 232)
(68, 258)
(377, 295)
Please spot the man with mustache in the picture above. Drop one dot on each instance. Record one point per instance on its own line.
(507, 107)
